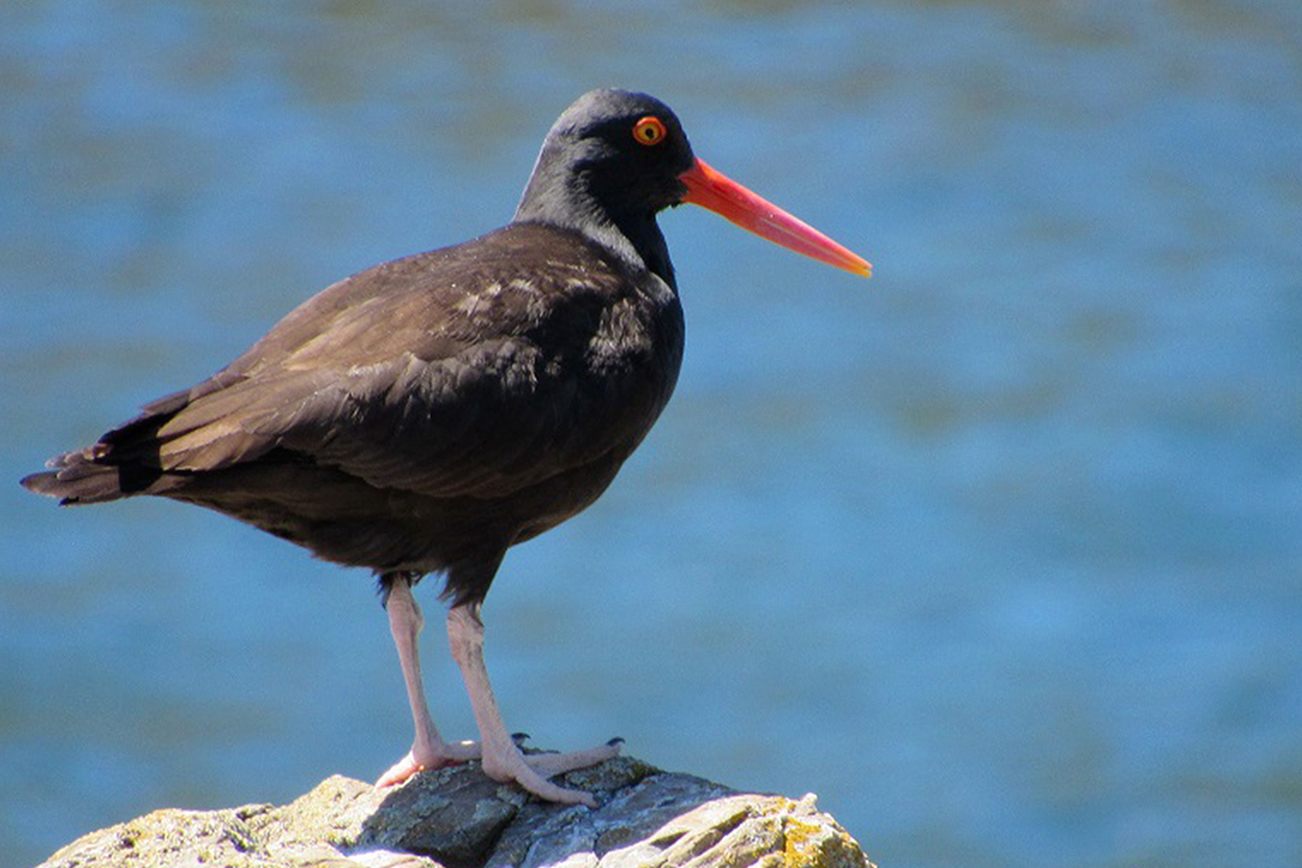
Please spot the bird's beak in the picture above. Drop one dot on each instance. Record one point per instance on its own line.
(714, 190)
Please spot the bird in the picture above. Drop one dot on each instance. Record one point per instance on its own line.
(424, 415)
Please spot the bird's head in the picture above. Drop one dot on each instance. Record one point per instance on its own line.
(614, 158)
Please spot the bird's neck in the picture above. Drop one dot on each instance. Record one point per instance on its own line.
(562, 200)
(643, 234)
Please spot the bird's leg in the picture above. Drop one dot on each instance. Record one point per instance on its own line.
(502, 759)
(428, 750)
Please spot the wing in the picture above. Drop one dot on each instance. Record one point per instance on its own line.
(468, 370)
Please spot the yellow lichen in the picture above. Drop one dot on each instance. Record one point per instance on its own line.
(814, 845)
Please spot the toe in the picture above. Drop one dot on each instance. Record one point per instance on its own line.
(400, 772)
(548, 764)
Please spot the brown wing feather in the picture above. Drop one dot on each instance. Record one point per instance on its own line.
(424, 374)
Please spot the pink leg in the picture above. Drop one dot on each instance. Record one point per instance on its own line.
(503, 761)
(428, 750)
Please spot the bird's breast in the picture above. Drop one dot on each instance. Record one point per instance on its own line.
(636, 350)
(607, 399)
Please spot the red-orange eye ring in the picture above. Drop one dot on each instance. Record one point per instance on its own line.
(650, 130)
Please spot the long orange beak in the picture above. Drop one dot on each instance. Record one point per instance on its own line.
(714, 190)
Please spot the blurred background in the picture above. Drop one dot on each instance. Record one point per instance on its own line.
(999, 553)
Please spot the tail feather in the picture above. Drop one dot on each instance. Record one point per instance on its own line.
(77, 479)
(122, 463)
(178, 436)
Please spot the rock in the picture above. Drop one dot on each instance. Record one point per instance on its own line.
(458, 818)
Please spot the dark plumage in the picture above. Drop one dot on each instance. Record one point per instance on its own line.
(425, 414)
(420, 416)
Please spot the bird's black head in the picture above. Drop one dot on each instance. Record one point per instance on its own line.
(614, 159)
(609, 163)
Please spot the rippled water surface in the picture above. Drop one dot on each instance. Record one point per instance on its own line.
(1000, 552)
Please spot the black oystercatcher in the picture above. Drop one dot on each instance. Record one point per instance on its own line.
(428, 413)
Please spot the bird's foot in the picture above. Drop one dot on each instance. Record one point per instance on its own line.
(531, 771)
(421, 758)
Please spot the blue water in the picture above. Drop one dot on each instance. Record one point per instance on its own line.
(1000, 553)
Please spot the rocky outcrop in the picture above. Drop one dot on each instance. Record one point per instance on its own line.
(458, 818)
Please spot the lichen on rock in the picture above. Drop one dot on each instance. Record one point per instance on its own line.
(458, 818)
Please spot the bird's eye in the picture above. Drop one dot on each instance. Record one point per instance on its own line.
(650, 130)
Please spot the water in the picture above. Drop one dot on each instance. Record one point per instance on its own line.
(998, 553)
